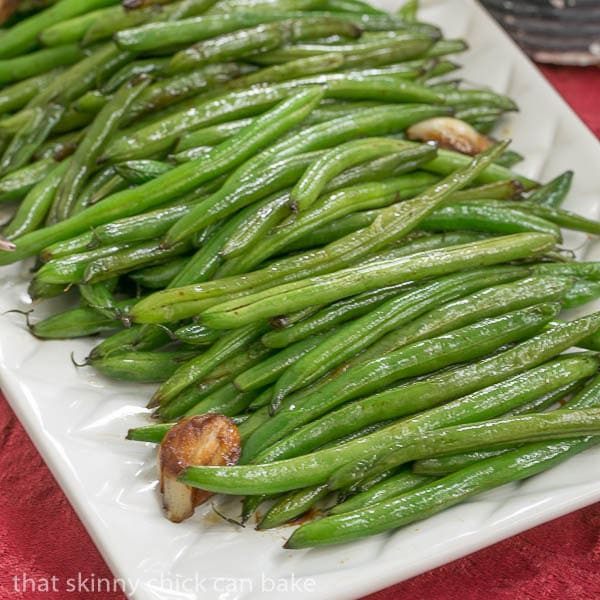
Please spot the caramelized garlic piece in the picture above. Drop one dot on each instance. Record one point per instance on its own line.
(450, 133)
(209, 439)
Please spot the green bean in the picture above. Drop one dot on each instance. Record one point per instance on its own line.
(158, 276)
(329, 208)
(35, 206)
(553, 193)
(227, 401)
(205, 262)
(559, 216)
(133, 70)
(128, 258)
(312, 468)
(408, 11)
(450, 490)
(29, 137)
(351, 6)
(403, 481)
(509, 158)
(74, 323)
(331, 315)
(60, 146)
(37, 290)
(259, 39)
(177, 181)
(91, 102)
(490, 217)
(197, 369)
(210, 136)
(500, 190)
(269, 370)
(17, 184)
(195, 334)
(481, 304)
(19, 94)
(478, 98)
(346, 282)
(402, 46)
(394, 313)
(292, 505)
(454, 462)
(141, 171)
(84, 160)
(37, 63)
(83, 76)
(142, 367)
(100, 297)
(314, 138)
(448, 161)
(150, 433)
(71, 268)
(219, 378)
(434, 353)
(389, 226)
(173, 90)
(80, 243)
(72, 30)
(136, 338)
(333, 162)
(582, 292)
(142, 227)
(22, 37)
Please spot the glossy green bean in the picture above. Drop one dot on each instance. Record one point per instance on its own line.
(581, 293)
(197, 369)
(72, 30)
(136, 338)
(143, 67)
(450, 490)
(245, 43)
(17, 184)
(269, 370)
(195, 334)
(129, 258)
(26, 141)
(22, 37)
(330, 316)
(344, 283)
(158, 277)
(403, 46)
(490, 217)
(149, 433)
(227, 401)
(302, 471)
(553, 193)
(141, 171)
(75, 245)
(392, 314)
(327, 209)
(432, 354)
(141, 367)
(38, 63)
(100, 297)
(177, 181)
(84, 160)
(35, 206)
(70, 268)
(19, 94)
(292, 505)
(218, 380)
(389, 226)
(484, 303)
(74, 323)
(393, 486)
(333, 162)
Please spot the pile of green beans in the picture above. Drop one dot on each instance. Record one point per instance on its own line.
(231, 194)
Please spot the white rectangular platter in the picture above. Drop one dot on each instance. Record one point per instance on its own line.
(77, 419)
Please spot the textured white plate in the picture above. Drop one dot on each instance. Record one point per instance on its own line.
(77, 419)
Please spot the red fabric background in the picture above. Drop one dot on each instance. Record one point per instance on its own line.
(41, 536)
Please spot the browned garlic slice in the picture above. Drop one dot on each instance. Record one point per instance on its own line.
(450, 133)
(209, 439)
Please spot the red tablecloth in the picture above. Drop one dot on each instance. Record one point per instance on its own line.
(41, 537)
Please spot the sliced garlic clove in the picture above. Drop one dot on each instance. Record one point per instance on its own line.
(209, 439)
(450, 133)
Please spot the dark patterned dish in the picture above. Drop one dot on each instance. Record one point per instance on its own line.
(555, 31)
